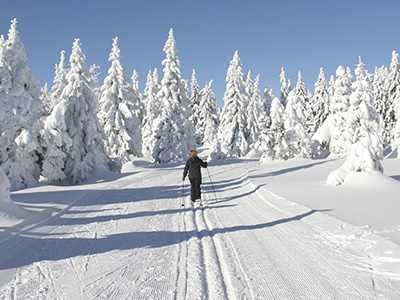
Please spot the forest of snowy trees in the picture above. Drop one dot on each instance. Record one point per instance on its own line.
(62, 133)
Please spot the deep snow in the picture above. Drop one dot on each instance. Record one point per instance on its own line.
(277, 232)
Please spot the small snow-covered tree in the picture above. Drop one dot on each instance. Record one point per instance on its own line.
(78, 109)
(339, 105)
(319, 102)
(232, 132)
(45, 97)
(266, 101)
(173, 130)
(286, 87)
(303, 101)
(297, 138)
(121, 125)
(20, 113)
(208, 121)
(363, 130)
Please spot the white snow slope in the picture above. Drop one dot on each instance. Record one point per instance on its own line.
(273, 231)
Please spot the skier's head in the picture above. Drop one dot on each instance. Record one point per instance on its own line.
(193, 153)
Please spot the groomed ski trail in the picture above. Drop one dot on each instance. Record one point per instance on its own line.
(130, 239)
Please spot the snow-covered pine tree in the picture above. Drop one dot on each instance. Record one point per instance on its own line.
(121, 125)
(232, 132)
(76, 117)
(266, 101)
(319, 102)
(254, 113)
(20, 113)
(380, 86)
(194, 106)
(45, 97)
(297, 138)
(152, 111)
(286, 87)
(272, 142)
(137, 101)
(173, 129)
(60, 80)
(208, 122)
(393, 113)
(339, 106)
(305, 114)
(363, 130)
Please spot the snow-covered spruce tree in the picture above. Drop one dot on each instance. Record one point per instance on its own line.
(121, 126)
(137, 101)
(195, 106)
(339, 106)
(254, 113)
(303, 102)
(319, 102)
(59, 81)
(286, 87)
(45, 97)
(363, 130)
(152, 110)
(208, 122)
(232, 132)
(173, 129)
(76, 117)
(393, 113)
(266, 101)
(297, 138)
(272, 143)
(380, 86)
(20, 113)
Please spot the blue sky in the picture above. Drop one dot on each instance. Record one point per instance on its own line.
(295, 34)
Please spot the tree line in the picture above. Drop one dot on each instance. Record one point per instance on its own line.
(63, 133)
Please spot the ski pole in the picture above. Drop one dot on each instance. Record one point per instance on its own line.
(209, 175)
(183, 192)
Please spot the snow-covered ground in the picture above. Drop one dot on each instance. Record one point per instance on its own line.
(271, 231)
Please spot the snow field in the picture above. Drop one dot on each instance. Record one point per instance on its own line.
(127, 237)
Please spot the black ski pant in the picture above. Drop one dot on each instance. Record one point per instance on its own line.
(195, 188)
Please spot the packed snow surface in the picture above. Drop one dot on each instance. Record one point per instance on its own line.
(269, 231)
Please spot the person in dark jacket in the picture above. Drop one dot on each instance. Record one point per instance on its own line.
(193, 167)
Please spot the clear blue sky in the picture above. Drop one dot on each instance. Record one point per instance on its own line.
(295, 34)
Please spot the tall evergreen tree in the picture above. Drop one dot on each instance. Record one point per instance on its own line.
(173, 129)
(272, 143)
(380, 88)
(121, 125)
(319, 102)
(362, 130)
(152, 111)
(297, 138)
(195, 106)
(208, 122)
(60, 80)
(232, 132)
(76, 118)
(393, 113)
(286, 87)
(339, 106)
(20, 113)
(254, 112)
(305, 114)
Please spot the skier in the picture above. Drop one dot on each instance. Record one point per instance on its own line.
(193, 167)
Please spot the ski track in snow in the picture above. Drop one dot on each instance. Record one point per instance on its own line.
(131, 239)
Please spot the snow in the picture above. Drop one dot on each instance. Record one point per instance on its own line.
(270, 231)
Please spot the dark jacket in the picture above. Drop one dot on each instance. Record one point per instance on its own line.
(193, 167)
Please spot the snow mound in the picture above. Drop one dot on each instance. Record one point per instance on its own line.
(9, 211)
